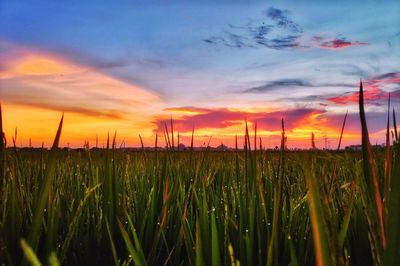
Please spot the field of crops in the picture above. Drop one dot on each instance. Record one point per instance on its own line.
(250, 206)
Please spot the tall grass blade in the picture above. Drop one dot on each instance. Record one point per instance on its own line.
(29, 254)
(215, 254)
(166, 135)
(370, 171)
(34, 232)
(112, 245)
(313, 141)
(141, 143)
(273, 244)
(172, 134)
(392, 252)
(191, 140)
(341, 131)
(388, 157)
(395, 126)
(137, 259)
(319, 227)
(2, 148)
(136, 241)
(199, 246)
(177, 141)
(346, 220)
(255, 136)
(53, 260)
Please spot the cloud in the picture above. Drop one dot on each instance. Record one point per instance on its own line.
(327, 41)
(278, 84)
(230, 39)
(346, 69)
(275, 30)
(222, 118)
(373, 90)
(290, 83)
(388, 78)
(82, 110)
(37, 79)
(293, 118)
(283, 20)
(208, 118)
(299, 122)
(109, 64)
(279, 43)
(187, 110)
(372, 96)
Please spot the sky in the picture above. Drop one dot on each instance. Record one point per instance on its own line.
(131, 66)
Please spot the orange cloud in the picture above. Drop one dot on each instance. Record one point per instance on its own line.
(35, 86)
(37, 65)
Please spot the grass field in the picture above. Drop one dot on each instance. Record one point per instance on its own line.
(248, 207)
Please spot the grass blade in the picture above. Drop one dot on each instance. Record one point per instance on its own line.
(137, 259)
(392, 252)
(395, 126)
(53, 260)
(34, 233)
(346, 220)
(388, 157)
(29, 254)
(112, 245)
(199, 246)
(2, 148)
(370, 171)
(319, 227)
(341, 132)
(215, 254)
(172, 134)
(313, 141)
(273, 245)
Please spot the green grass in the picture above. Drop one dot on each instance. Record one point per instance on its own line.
(247, 207)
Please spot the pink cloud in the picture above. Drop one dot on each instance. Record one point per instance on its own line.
(224, 118)
(373, 90)
(328, 41)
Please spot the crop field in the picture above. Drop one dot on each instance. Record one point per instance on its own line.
(249, 206)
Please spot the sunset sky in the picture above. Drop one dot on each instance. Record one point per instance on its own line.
(128, 67)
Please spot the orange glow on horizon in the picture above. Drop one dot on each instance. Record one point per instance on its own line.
(40, 126)
(36, 88)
